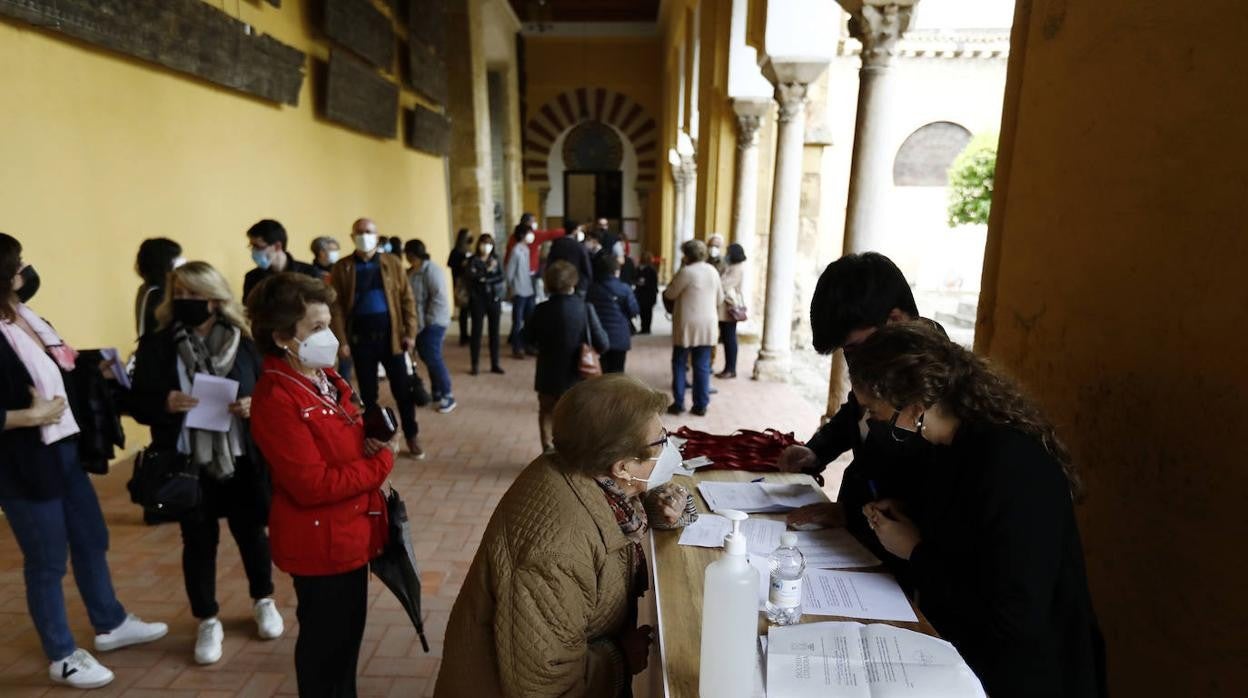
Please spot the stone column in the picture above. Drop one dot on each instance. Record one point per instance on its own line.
(542, 195)
(689, 170)
(775, 356)
(678, 223)
(878, 24)
(750, 114)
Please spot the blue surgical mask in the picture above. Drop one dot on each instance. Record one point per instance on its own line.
(262, 258)
(385, 247)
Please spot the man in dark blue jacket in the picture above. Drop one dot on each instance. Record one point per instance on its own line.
(616, 306)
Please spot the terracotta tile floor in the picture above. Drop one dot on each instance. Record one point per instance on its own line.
(474, 454)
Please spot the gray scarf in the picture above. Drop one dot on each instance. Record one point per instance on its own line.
(214, 355)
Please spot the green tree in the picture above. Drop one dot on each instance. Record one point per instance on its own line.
(970, 181)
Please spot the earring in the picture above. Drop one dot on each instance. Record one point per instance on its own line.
(922, 426)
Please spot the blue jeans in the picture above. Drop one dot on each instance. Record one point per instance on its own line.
(429, 348)
(48, 531)
(521, 311)
(701, 375)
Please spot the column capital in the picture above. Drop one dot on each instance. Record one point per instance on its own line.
(750, 113)
(791, 96)
(879, 25)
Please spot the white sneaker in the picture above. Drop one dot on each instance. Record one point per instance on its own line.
(208, 643)
(80, 670)
(132, 631)
(268, 620)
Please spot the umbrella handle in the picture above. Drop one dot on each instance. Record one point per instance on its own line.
(424, 643)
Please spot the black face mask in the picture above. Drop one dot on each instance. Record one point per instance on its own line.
(894, 446)
(30, 284)
(191, 312)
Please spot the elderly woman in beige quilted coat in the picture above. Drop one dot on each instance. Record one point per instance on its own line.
(549, 604)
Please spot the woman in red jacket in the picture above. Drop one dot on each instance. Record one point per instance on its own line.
(328, 518)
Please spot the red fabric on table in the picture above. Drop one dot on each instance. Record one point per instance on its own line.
(744, 449)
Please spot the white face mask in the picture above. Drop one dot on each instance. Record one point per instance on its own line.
(319, 350)
(486, 250)
(580, 237)
(669, 463)
(178, 261)
(332, 256)
(529, 238)
(365, 242)
(714, 251)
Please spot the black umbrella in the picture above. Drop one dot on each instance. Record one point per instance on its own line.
(396, 566)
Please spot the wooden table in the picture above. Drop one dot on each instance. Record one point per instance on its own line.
(676, 578)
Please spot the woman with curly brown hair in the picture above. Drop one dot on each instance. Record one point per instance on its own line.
(995, 557)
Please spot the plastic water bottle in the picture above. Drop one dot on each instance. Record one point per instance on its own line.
(729, 620)
(784, 599)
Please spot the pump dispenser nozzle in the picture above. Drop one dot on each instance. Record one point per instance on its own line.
(735, 542)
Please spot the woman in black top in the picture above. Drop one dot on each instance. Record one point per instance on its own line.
(997, 563)
(202, 330)
(483, 273)
(455, 262)
(558, 328)
(157, 257)
(646, 288)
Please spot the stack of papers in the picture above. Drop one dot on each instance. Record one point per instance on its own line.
(215, 396)
(864, 661)
(831, 548)
(866, 595)
(759, 497)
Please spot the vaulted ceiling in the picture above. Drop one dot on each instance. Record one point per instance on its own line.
(587, 10)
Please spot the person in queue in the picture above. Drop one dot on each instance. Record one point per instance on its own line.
(559, 327)
(616, 306)
(855, 296)
(572, 249)
(46, 496)
(549, 606)
(695, 294)
(325, 253)
(455, 262)
(520, 287)
(328, 516)
(715, 252)
(998, 567)
(433, 316)
(732, 276)
(156, 258)
(201, 330)
(374, 319)
(646, 288)
(484, 275)
(269, 250)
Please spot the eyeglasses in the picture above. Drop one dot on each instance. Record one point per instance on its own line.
(662, 440)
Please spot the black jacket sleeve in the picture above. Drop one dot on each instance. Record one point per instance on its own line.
(839, 435)
(155, 376)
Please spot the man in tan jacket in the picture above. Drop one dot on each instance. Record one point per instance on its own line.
(695, 294)
(374, 318)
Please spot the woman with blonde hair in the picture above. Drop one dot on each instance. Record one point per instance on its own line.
(549, 607)
(202, 331)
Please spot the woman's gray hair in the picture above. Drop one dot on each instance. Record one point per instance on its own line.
(694, 250)
(604, 420)
(321, 243)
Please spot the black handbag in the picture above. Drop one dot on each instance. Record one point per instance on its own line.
(165, 483)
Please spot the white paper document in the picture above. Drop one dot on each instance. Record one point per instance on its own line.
(215, 395)
(759, 497)
(867, 595)
(119, 368)
(830, 548)
(864, 661)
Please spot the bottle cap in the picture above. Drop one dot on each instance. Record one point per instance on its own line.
(735, 542)
(788, 539)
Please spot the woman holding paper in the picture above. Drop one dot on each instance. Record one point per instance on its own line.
(998, 564)
(47, 499)
(202, 336)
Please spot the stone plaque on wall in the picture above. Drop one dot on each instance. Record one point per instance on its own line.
(428, 131)
(426, 24)
(426, 72)
(357, 97)
(924, 158)
(189, 36)
(361, 27)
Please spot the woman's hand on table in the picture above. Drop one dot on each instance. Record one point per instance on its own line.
(796, 459)
(665, 505)
(636, 646)
(813, 516)
(896, 532)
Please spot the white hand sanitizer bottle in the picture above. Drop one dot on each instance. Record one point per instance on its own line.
(729, 619)
(784, 600)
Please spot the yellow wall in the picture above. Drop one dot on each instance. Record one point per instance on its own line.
(100, 151)
(1114, 288)
(628, 65)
